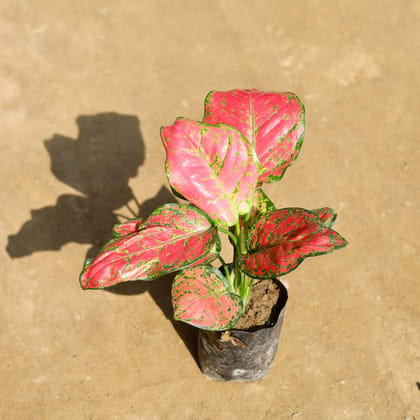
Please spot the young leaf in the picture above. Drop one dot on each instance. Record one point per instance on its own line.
(200, 297)
(173, 237)
(214, 167)
(262, 205)
(281, 240)
(272, 122)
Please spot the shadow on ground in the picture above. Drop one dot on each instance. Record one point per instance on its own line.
(160, 291)
(98, 164)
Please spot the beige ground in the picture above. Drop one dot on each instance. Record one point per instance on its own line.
(351, 340)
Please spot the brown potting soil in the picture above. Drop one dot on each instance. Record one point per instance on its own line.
(261, 309)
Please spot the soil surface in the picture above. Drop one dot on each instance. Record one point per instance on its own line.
(262, 308)
(85, 87)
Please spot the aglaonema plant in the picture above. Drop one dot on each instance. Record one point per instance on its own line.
(219, 165)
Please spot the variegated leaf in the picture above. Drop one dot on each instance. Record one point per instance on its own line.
(200, 297)
(212, 255)
(281, 240)
(173, 237)
(214, 167)
(262, 205)
(325, 216)
(126, 228)
(272, 122)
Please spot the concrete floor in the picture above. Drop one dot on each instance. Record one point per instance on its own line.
(85, 87)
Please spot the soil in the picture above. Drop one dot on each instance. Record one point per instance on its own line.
(262, 309)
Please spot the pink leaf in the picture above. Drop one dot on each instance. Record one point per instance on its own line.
(173, 237)
(272, 122)
(325, 216)
(200, 297)
(214, 167)
(211, 256)
(126, 228)
(281, 240)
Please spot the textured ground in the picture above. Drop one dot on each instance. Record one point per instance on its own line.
(84, 89)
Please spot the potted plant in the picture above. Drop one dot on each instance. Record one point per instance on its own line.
(219, 165)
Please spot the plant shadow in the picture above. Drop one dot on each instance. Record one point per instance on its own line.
(98, 164)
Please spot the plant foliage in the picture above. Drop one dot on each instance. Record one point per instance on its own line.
(219, 165)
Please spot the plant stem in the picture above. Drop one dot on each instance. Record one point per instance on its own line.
(246, 291)
(222, 260)
(243, 282)
(229, 233)
(239, 283)
(238, 227)
(236, 257)
(227, 273)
